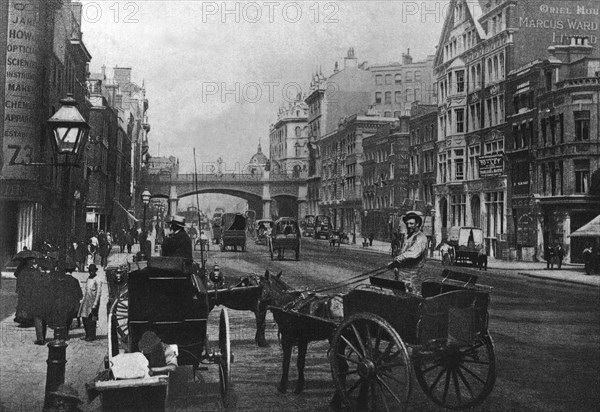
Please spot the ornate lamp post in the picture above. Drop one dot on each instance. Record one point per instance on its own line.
(146, 195)
(69, 135)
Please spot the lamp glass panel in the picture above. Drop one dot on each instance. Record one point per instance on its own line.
(66, 139)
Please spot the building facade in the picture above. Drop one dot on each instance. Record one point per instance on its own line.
(397, 85)
(568, 144)
(288, 138)
(43, 59)
(341, 170)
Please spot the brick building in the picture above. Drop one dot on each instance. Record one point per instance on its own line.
(341, 169)
(42, 59)
(384, 177)
(568, 144)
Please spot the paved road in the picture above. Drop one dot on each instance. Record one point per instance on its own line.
(547, 334)
(547, 338)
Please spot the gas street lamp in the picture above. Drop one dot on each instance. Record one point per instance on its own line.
(146, 195)
(69, 135)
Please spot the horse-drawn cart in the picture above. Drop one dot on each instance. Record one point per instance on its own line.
(168, 298)
(386, 334)
(285, 236)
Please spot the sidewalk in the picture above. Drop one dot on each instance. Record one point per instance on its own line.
(570, 273)
(23, 368)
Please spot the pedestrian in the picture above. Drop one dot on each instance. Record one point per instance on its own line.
(81, 255)
(549, 257)
(104, 250)
(178, 243)
(482, 257)
(371, 237)
(559, 254)
(65, 294)
(128, 241)
(413, 254)
(88, 309)
(25, 274)
(95, 245)
(41, 299)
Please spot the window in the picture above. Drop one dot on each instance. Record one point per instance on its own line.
(417, 75)
(378, 98)
(459, 165)
(582, 125)
(398, 97)
(582, 175)
(398, 79)
(388, 97)
(408, 77)
(495, 147)
(397, 114)
(408, 95)
(460, 120)
(473, 161)
(460, 81)
(388, 79)
(442, 176)
(494, 202)
(458, 209)
(298, 131)
(379, 80)
(387, 114)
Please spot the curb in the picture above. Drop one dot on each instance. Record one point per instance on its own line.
(592, 281)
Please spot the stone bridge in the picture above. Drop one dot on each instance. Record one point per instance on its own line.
(260, 190)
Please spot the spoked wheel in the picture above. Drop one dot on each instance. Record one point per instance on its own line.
(458, 377)
(225, 358)
(370, 364)
(118, 325)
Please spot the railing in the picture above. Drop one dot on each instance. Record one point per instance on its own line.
(231, 177)
(580, 81)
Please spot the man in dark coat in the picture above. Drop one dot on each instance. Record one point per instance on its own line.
(65, 293)
(178, 243)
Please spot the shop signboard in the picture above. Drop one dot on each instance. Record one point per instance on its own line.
(491, 165)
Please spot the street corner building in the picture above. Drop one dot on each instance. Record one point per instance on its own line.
(517, 148)
(44, 59)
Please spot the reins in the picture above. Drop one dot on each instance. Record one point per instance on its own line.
(354, 279)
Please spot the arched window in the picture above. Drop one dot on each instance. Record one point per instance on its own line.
(478, 76)
(489, 70)
(496, 67)
(502, 65)
(379, 79)
(397, 97)
(388, 79)
(298, 131)
(398, 78)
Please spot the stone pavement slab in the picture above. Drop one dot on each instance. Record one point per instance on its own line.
(23, 364)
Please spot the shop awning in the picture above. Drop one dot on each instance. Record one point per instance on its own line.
(590, 229)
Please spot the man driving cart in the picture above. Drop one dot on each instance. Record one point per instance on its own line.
(409, 263)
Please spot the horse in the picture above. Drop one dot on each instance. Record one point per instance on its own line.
(228, 294)
(293, 330)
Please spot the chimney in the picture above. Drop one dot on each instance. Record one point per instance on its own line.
(350, 60)
(406, 58)
(578, 48)
(122, 75)
(103, 72)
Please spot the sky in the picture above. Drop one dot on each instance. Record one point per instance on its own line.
(217, 72)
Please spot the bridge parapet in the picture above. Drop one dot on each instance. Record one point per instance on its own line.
(228, 177)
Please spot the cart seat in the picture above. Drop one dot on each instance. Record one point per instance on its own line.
(171, 263)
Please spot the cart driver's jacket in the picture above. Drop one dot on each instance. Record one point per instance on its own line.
(178, 244)
(413, 254)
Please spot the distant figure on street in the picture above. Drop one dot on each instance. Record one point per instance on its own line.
(128, 241)
(371, 237)
(178, 243)
(413, 254)
(559, 254)
(550, 257)
(482, 257)
(26, 277)
(88, 310)
(203, 240)
(65, 294)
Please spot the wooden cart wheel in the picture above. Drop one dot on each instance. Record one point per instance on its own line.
(458, 377)
(226, 358)
(370, 364)
(118, 324)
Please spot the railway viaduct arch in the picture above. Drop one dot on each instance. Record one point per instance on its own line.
(260, 190)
